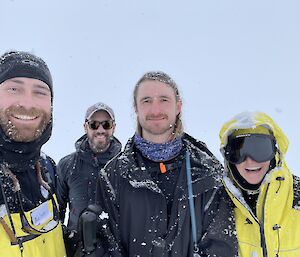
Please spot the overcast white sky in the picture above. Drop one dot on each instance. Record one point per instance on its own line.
(226, 56)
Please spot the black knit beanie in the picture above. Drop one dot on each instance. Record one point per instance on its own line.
(23, 64)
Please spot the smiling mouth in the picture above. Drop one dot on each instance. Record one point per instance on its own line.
(155, 119)
(100, 136)
(254, 169)
(24, 117)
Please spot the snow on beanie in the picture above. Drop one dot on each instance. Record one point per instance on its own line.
(23, 64)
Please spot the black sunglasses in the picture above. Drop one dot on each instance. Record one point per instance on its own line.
(95, 124)
(258, 147)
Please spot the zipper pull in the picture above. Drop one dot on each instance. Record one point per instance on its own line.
(162, 168)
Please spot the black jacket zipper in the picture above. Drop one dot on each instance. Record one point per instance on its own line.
(261, 226)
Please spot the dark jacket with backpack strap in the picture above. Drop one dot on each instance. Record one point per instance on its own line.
(30, 186)
(134, 210)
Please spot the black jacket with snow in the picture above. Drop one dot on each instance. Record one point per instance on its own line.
(31, 192)
(138, 223)
(77, 176)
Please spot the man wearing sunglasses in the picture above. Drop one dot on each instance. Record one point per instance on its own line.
(29, 219)
(144, 193)
(77, 172)
(265, 193)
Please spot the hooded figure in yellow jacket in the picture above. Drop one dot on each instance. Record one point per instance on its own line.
(29, 222)
(265, 194)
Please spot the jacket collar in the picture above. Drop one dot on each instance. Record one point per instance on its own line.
(206, 170)
(20, 156)
(277, 185)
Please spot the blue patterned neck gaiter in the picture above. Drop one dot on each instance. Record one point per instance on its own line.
(158, 152)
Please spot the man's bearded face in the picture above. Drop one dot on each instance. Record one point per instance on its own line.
(23, 125)
(25, 108)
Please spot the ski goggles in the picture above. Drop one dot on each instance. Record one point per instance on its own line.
(258, 147)
(95, 124)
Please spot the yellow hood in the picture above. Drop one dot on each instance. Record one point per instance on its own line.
(252, 120)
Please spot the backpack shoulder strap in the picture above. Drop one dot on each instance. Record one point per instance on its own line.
(50, 169)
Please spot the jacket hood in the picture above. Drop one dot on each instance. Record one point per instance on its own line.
(79, 142)
(252, 121)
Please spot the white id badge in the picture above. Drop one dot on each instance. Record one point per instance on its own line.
(41, 214)
(44, 192)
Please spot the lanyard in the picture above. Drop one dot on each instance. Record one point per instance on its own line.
(191, 204)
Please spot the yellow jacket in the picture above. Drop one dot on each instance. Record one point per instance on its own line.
(274, 230)
(49, 244)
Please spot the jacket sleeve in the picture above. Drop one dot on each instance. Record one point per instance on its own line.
(218, 237)
(62, 187)
(107, 198)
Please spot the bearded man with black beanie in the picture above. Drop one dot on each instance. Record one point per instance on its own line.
(28, 210)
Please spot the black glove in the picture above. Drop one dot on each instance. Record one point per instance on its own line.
(95, 235)
(71, 240)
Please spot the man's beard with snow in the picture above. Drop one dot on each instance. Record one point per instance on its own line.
(23, 132)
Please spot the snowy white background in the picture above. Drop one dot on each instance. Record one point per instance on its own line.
(226, 56)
